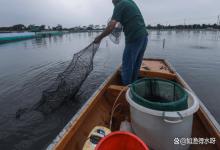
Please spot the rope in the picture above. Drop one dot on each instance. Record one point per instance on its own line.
(114, 107)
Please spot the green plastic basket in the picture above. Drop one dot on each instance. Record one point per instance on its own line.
(159, 94)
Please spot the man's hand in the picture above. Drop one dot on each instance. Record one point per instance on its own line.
(97, 40)
(106, 32)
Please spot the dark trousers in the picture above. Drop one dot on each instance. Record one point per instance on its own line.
(132, 59)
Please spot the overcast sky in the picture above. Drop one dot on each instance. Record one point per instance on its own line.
(84, 12)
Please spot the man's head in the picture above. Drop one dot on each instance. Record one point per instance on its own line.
(115, 1)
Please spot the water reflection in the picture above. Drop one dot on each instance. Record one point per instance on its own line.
(39, 42)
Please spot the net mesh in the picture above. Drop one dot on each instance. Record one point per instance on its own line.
(68, 82)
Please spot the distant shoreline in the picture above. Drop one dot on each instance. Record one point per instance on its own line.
(99, 30)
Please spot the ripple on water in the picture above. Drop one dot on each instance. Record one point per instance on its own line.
(202, 47)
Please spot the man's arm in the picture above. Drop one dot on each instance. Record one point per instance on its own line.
(106, 32)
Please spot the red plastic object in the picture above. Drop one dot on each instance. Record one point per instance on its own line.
(121, 141)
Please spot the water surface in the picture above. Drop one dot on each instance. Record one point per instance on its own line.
(28, 67)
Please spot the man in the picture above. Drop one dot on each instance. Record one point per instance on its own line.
(128, 14)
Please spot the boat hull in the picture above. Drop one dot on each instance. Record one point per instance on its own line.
(96, 111)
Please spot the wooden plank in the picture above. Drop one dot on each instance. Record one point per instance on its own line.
(155, 65)
(114, 90)
(209, 126)
(167, 76)
(99, 116)
(117, 87)
(199, 131)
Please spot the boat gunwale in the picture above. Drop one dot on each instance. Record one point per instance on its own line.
(202, 106)
(73, 121)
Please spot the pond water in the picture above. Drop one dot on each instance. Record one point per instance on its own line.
(29, 67)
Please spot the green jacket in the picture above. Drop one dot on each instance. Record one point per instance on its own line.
(129, 15)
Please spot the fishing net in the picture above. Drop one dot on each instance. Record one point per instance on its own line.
(68, 82)
(115, 36)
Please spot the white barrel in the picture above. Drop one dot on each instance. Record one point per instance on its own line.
(163, 130)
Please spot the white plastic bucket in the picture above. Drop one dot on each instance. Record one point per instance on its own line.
(163, 130)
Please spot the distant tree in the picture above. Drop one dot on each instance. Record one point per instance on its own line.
(97, 26)
(42, 27)
(30, 27)
(84, 27)
(169, 26)
(149, 26)
(103, 26)
(215, 26)
(159, 26)
(5, 28)
(204, 26)
(18, 27)
(34, 28)
(196, 26)
(58, 27)
(91, 26)
(37, 28)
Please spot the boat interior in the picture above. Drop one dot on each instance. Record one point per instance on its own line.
(98, 110)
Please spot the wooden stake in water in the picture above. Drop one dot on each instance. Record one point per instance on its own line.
(164, 42)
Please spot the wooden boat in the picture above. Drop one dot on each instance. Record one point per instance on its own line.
(98, 108)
